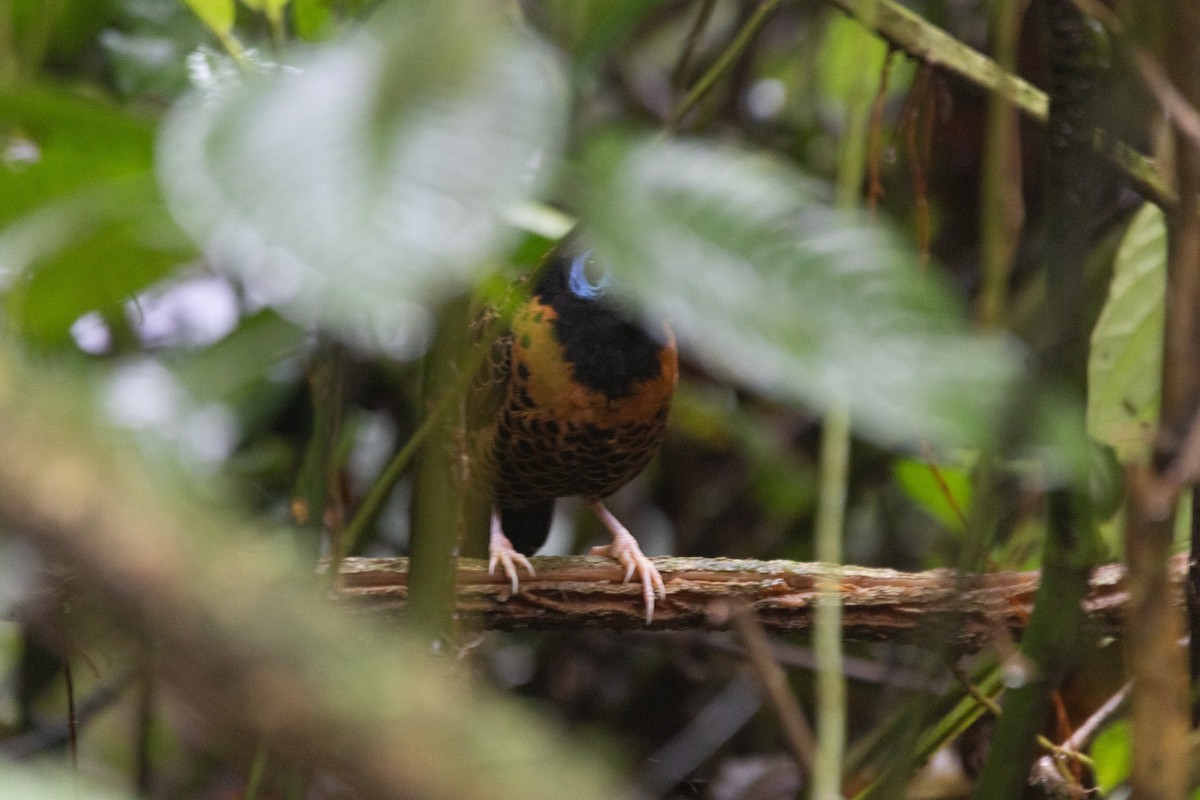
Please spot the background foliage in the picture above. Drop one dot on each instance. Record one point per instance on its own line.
(229, 232)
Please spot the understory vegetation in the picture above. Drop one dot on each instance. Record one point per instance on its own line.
(934, 272)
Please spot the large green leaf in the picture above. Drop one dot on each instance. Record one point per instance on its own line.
(764, 280)
(376, 177)
(1125, 361)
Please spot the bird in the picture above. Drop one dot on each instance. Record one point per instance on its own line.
(575, 398)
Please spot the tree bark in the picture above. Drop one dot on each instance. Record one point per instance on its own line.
(938, 606)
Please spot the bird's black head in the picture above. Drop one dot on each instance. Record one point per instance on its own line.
(607, 350)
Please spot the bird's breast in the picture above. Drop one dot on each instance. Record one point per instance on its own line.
(556, 436)
(544, 378)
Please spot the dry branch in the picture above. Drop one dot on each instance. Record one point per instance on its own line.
(967, 610)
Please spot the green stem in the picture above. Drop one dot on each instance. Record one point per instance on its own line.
(831, 504)
(683, 66)
(852, 158)
(723, 63)
(436, 415)
(827, 625)
(1050, 646)
(257, 767)
(437, 506)
(313, 491)
(1000, 211)
(951, 723)
(1048, 649)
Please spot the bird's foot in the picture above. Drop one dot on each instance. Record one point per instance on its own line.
(624, 548)
(501, 551)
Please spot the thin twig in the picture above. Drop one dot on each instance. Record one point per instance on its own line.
(716, 723)
(72, 716)
(1045, 772)
(1102, 14)
(254, 780)
(796, 731)
(995, 710)
(875, 151)
(143, 762)
(793, 656)
(1185, 469)
(58, 733)
(1183, 114)
(1086, 732)
(944, 487)
(1002, 207)
(723, 62)
(1159, 703)
(985, 700)
(917, 129)
(683, 66)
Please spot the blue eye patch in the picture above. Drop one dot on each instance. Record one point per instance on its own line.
(577, 279)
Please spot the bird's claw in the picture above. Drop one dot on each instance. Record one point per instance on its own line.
(624, 548)
(501, 552)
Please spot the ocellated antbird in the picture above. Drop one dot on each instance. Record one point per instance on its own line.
(580, 396)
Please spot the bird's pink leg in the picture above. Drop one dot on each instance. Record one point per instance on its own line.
(624, 548)
(500, 551)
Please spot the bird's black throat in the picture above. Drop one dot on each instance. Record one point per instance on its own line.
(607, 352)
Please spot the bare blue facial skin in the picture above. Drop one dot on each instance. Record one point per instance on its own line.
(577, 280)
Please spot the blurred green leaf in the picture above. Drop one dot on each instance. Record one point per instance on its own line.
(272, 9)
(376, 178)
(944, 495)
(850, 55)
(589, 29)
(84, 227)
(92, 251)
(1059, 451)
(55, 142)
(59, 33)
(146, 52)
(1112, 751)
(1125, 361)
(311, 18)
(33, 783)
(233, 366)
(216, 14)
(763, 279)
